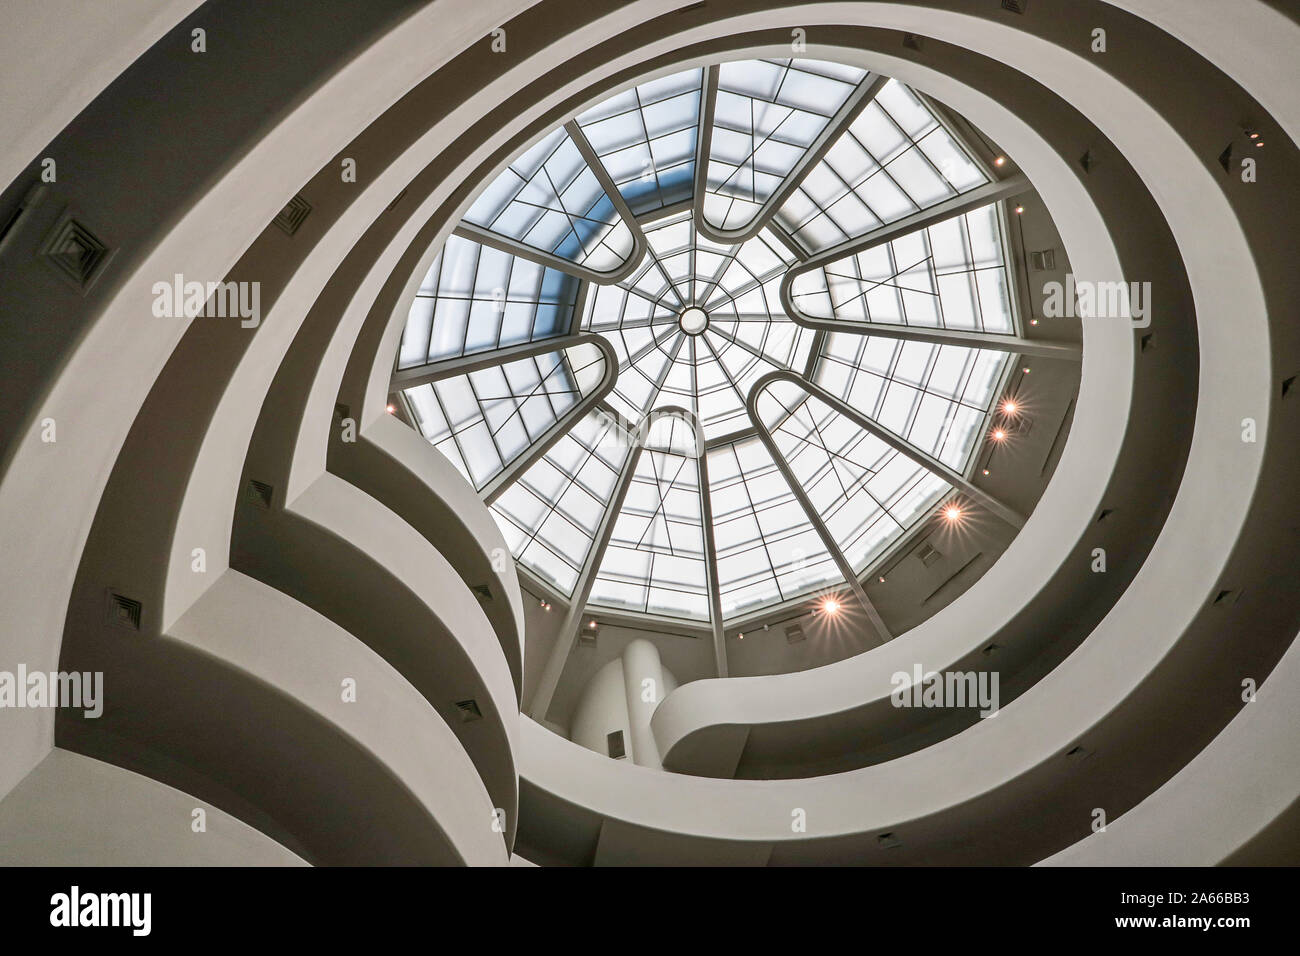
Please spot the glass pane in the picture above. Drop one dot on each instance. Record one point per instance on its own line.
(485, 419)
(951, 275)
(894, 159)
(549, 199)
(646, 139)
(767, 114)
(475, 298)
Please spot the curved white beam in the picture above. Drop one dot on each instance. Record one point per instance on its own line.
(853, 106)
(900, 445)
(572, 623)
(847, 571)
(51, 72)
(981, 196)
(711, 566)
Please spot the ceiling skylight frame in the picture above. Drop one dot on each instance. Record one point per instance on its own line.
(564, 383)
(483, 229)
(455, 288)
(610, 137)
(633, 445)
(658, 541)
(862, 92)
(675, 343)
(909, 144)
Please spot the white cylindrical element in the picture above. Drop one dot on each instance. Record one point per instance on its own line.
(612, 716)
(602, 711)
(693, 320)
(643, 681)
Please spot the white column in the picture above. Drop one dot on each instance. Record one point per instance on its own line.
(622, 696)
(643, 681)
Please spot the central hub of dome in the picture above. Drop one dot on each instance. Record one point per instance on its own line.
(693, 320)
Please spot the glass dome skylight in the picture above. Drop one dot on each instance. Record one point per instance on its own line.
(721, 340)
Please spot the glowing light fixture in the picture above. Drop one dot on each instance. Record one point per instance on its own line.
(831, 606)
(952, 514)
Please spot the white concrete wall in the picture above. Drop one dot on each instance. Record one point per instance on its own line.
(602, 710)
(614, 699)
(1234, 790)
(75, 811)
(58, 55)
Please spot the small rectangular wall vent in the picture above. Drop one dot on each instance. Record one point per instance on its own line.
(794, 633)
(1044, 260)
(887, 841)
(468, 711)
(1225, 159)
(483, 591)
(75, 253)
(30, 200)
(260, 493)
(614, 744)
(1226, 598)
(124, 611)
(292, 215)
(10, 223)
(1015, 6)
(928, 555)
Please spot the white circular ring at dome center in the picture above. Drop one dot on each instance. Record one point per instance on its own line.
(693, 320)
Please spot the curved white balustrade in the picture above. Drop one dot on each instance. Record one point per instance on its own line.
(59, 55)
(1221, 806)
(76, 811)
(307, 659)
(108, 368)
(450, 516)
